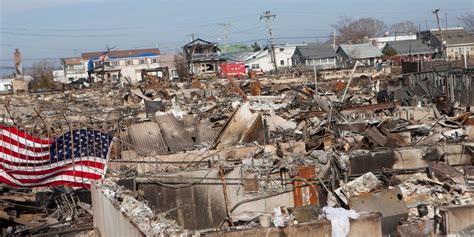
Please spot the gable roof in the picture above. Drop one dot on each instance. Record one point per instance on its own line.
(315, 51)
(198, 41)
(455, 36)
(71, 61)
(404, 47)
(366, 50)
(123, 53)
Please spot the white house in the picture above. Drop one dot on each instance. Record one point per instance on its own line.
(122, 63)
(6, 85)
(262, 59)
(381, 41)
(72, 70)
(59, 76)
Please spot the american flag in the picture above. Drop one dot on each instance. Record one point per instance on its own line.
(103, 57)
(75, 158)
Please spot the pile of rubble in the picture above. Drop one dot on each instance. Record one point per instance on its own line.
(42, 211)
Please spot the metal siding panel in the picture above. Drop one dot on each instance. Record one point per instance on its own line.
(203, 212)
(146, 139)
(206, 133)
(173, 132)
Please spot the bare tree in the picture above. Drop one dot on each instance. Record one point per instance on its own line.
(353, 31)
(468, 20)
(403, 27)
(181, 66)
(42, 75)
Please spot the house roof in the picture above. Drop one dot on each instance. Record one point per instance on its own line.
(404, 47)
(366, 50)
(455, 36)
(123, 53)
(233, 48)
(314, 51)
(71, 61)
(198, 41)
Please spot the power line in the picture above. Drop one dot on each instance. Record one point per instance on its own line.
(204, 22)
(30, 59)
(45, 48)
(300, 29)
(70, 36)
(375, 11)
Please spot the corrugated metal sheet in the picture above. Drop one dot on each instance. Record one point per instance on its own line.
(190, 125)
(146, 139)
(178, 139)
(206, 133)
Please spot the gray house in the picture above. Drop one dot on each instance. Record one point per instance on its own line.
(366, 53)
(408, 47)
(321, 55)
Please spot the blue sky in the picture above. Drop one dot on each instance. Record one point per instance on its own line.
(60, 28)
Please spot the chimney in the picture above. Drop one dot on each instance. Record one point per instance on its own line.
(18, 66)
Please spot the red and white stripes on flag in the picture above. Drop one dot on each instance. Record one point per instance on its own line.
(76, 158)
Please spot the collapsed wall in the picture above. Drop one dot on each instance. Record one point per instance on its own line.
(119, 212)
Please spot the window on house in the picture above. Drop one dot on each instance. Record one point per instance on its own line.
(142, 61)
(174, 73)
(115, 63)
(255, 66)
(282, 62)
(154, 60)
(282, 49)
(129, 62)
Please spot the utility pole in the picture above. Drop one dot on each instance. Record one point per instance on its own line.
(334, 39)
(192, 36)
(269, 17)
(446, 20)
(443, 44)
(225, 25)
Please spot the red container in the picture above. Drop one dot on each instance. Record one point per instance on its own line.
(232, 69)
